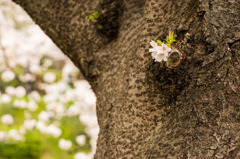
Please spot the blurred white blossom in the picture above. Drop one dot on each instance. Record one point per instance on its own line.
(15, 135)
(23, 61)
(10, 90)
(73, 110)
(81, 140)
(22, 130)
(20, 104)
(44, 116)
(27, 77)
(88, 119)
(54, 131)
(47, 63)
(34, 95)
(5, 98)
(7, 119)
(41, 126)
(65, 144)
(68, 71)
(51, 88)
(35, 68)
(49, 77)
(20, 91)
(8, 76)
(29, 124)
(92, 131)
(32, 105)
(84, 92)
(49, 98)
(3, 136)
(93, 143)
(55, 110)
(81, 155)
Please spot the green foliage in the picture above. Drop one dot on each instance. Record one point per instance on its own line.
(169, 40)
(159, 42)
(29, 149)
(94, 16)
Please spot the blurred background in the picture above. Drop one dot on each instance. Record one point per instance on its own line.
(47, 109)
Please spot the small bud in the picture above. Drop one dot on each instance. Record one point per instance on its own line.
(174, 58)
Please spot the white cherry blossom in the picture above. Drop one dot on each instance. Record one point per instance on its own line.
(5, 98)
(73, 110)
(81, 140)
(49, 77)
(41, 126)
(159, 53)
(20, 91)
(44, 116)
(3, 136)
(10, 90)
(7, 119)
(81, 155)
(32, 106)
(19, 104)
(29, 124)
(8, 76)
(65, 144)
(15, 135)
(166, 49)
(54, 131)
(34, 95)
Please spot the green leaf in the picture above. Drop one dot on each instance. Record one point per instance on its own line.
(94, 15)
(159, 42)
(169, 45)
(170, 39)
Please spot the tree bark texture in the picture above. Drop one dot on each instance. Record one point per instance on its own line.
(146, 110)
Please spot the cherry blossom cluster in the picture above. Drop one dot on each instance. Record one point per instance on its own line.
(160, 50)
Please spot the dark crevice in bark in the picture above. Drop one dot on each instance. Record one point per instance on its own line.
(108, 22)
(233, 153)
(210, 5)
(169, 82)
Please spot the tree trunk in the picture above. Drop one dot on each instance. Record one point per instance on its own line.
(145, 109)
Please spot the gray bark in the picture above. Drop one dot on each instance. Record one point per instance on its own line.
(145, 109)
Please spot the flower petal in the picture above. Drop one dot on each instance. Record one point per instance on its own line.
(166, 48)
(154, 54)
(159, 57)
(169, 49)
(153, 44)
(165, 58)
(152, 50)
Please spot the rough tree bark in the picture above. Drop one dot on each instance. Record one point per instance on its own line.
(146, 110)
